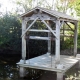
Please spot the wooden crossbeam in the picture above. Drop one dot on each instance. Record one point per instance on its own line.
(49, 28)
(36, 30)
(29, 27)
(39, 38)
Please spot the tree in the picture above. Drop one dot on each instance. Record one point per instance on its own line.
(77, 7)
(10, 32)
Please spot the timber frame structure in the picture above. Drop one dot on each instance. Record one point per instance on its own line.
(47, 17)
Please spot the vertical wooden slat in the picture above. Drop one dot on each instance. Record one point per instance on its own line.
(57, 42)
(75, 39)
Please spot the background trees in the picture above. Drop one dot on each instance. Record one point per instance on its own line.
(10, 31)
(10, 24)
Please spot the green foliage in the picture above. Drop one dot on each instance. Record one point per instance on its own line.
(67, 44)
(77, 7)
(79, 35)
(10, 32)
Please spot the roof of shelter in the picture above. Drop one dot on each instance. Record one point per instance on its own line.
(57, 14)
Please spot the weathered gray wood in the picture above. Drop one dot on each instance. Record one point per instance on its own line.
(44, 62)
(47, 62)
(53, 13)
(36, 30)
(59, 76)
(57, 46)
(23, 40)
(22, 72)
(29, 27)
(49, 28)
(75, 39)
(67, 20)
(41, 16)
(49, 41)
(39, 38)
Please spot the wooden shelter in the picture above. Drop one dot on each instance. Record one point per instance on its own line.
(47, 17)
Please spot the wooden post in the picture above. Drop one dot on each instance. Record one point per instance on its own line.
(75, 39)
(57, 46)
(49, 41)
(59, 76)
(22, 70)
(23, 40)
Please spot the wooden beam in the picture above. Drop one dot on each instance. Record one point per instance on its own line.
(41, 16)
(57, 46)
(36, 30)
(49, 28)
(23, 41)
(29, 27)
(68, 20)
(75, 39)
(39, 38)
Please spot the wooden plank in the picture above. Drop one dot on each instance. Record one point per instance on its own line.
(39, 38)
(29, 27)
(44, 62)
(68, 20)
(36, 30)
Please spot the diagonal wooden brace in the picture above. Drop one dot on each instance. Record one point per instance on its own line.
(29, 27)
(49, 28)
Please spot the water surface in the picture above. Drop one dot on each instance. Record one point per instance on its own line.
(10, 71)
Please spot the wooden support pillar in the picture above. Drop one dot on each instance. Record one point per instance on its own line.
(57, 44)
(22, 72)
(23, 40)
(75, 39)
(60, 76)
(49, 41)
